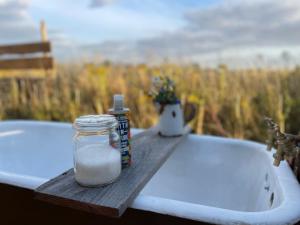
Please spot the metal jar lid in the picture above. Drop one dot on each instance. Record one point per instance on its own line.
(95, 123)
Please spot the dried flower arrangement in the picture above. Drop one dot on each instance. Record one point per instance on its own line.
(163, 91)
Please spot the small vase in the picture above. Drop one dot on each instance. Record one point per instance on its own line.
(171, 121)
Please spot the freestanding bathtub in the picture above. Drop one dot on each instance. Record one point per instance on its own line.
(208, 179)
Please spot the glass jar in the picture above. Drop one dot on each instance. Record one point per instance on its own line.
(97, 158)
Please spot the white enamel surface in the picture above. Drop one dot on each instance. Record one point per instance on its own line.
(33, 152)
(208, 179)
(168, 124)
(222, 181)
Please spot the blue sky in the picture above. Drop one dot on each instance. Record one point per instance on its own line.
(236, 32)
(115, 20)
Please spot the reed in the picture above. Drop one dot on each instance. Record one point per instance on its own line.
(229, 103)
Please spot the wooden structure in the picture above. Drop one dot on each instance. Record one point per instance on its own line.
(149, 152)
(23, 56)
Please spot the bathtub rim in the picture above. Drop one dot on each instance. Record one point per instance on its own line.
(188, 210)
(288, 185)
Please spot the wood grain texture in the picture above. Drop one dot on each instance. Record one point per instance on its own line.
(25, 48)
(27, 63)
(149, 152)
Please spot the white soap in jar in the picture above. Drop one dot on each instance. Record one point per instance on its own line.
(97, 164)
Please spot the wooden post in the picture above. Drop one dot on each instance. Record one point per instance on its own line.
(44, 37)
(43, 31)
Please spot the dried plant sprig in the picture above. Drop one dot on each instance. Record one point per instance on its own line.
(163, 90)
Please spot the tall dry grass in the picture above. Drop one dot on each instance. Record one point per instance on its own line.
(229, 102)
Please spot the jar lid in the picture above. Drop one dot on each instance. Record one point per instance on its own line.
(94, 123)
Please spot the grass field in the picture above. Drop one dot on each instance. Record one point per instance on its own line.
(229, 102)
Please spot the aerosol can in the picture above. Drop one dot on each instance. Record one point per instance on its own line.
(122, 115)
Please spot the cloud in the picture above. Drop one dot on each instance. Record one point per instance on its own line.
(220, 30)
(100, 3)
(228, 26)
(246, 24)
(15, 23)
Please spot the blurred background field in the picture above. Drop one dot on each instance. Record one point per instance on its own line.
(103, 47)
(230, 103)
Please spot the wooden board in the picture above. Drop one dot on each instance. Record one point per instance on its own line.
(149, 152)
(25, 48)
(27, 63)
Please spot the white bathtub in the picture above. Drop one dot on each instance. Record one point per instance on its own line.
(209, 179)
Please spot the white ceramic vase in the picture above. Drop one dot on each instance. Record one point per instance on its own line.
(170, 120)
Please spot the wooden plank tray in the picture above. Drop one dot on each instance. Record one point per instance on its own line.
(149, 152)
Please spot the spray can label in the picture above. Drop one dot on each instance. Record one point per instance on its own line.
(124, 132)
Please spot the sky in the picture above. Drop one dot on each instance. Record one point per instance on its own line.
(235, 32)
